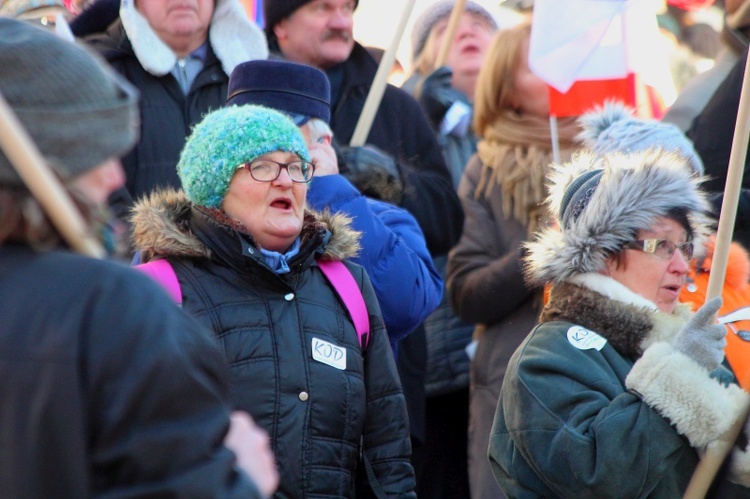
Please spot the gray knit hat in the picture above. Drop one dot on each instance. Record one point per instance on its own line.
(614, 128)
(434, 13)
(76, 110)
(602, 201)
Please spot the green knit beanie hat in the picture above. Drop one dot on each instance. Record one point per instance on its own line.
(227, 138)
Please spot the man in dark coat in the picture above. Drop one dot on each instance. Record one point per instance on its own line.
(180, 61)
(108, 388)
(320, 33)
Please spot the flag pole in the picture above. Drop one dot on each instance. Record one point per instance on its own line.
(715, 454)
(450, 32)
(44, 186)
(362, 130)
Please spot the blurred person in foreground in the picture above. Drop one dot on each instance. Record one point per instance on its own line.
(618, 371)
(108, 388)
(247, 254)
(501, 190)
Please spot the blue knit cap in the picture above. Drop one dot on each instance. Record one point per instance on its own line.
(614, 128)
(225, 139)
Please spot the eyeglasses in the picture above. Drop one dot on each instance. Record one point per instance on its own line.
(662, 248)
(266, 170)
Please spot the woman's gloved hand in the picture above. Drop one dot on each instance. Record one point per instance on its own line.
(436, 95)
(701, 338)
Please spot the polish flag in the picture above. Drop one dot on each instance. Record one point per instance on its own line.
(589, 51)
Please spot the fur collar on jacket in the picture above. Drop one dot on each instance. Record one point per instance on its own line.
(599, 303)
(160, 227)
(233, 37)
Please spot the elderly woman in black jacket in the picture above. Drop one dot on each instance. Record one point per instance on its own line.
(247, 256)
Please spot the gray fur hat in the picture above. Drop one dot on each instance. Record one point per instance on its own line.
(602, 201)
(78, 112)
(614, 128)
(434, 13)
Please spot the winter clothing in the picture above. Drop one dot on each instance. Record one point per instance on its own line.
(227, 138)
(634, 190)
(276, 10)
(167, 114)
(605, 365)
(614, 128)
(82, 117)
(500, 194)
(299, 90)
(109, 389)
(434, 14)
(394, 253)
(584, 444)
(268, 324)
(401, 130)
(392, 243)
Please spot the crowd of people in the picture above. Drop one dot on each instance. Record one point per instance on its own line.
(472, 303)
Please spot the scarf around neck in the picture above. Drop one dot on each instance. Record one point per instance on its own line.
(516, 151)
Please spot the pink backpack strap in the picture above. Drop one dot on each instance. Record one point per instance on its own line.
(346, 287)
(163, 273)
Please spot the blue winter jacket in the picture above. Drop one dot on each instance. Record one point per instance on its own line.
(394, 253)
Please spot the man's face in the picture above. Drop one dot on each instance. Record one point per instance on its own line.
(179, 23)
(320, 33)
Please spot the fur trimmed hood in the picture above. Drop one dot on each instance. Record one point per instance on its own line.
(234, 38)
(632, 192)
(160, 227)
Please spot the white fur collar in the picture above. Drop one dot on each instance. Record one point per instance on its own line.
(234, 38)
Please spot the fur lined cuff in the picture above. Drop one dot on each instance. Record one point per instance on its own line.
(678, 389)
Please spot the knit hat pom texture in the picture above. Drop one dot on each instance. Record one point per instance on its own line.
(227, 138)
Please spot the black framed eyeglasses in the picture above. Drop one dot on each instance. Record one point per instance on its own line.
(266, 170)
(662, 248)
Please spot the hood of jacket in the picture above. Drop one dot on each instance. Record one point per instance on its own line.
(161, 227)
(233, 37)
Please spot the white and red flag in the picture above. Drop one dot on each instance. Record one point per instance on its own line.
(591, 50)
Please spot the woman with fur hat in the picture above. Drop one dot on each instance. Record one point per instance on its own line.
(618, 391)
(246, 253)
(501, 191)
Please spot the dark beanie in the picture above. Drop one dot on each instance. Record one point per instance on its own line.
(78, 112)
(298, 90)
(276, 10)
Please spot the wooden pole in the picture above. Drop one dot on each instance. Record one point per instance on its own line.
(362, 130)
(450, 32)
(708, 467)
(44, 186)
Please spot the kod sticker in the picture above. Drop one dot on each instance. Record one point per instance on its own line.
(329, 354)
(583, 339)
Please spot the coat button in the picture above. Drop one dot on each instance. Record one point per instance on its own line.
(303, 396)
(289, 296)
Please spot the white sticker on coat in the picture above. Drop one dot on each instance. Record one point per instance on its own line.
(583, 339)
(329, 354)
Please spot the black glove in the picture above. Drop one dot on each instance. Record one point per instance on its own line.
(372, 171)
(436, 95)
